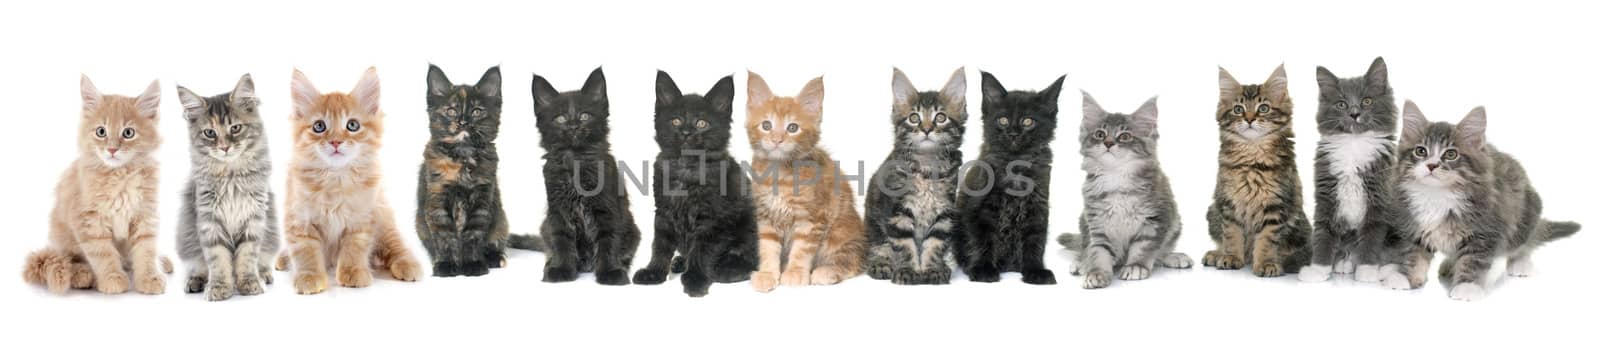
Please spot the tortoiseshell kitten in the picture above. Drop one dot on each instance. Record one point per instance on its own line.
(911, 203)
(587, 226)
(460, 219)
(1005, 196)
(1256, 217)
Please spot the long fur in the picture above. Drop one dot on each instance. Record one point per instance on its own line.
(911, 203)
(1257, 217)
(460, 218)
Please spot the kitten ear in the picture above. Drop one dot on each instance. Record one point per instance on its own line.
(721, 96)
(595, 86)
(666, 90)
(1473, 128)
(1414, 121)
(489, 84)
(305, 95)
(91, 95)
(192, 104)
(810, 97)
(1144, 119)
(543, 92)
(992, 90)
(756, 90)
(1378, 74)
(149, 102)
(1091, 109)
(1227, 84)
(438, 83)
(1052, 94)
(1327, 82)
(366, 91)
(244, 93)
(954, 92)
(903, 90)
(1277, 85)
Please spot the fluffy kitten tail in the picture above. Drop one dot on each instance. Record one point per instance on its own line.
(1558, 230)
(1070, 240)
(527, 242)
(55, 269)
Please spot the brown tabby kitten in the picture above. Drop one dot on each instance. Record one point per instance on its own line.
(1256, 216)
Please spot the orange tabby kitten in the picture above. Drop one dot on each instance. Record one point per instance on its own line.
(105, 217)
(334, 204)
(804, 209)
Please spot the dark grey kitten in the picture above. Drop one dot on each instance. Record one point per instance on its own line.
(1351, 228)
(1463, 197)
(911, 204)
(1129, 215)
(227, 225)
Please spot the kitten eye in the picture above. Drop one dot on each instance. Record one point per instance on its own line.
(352, 125)
(677, 122)
(1420, 152)
(1027, 122)
(1099, 134)
(766, 125)
(319, 127)
(914, 119)
(940, 118)
(702, 124)
(1125, 137)
(1238, 109)
(584, 117)
(236, 128)
(1263, 109)
(1341, 105)
(450, 111)
(1366, 101)
(1003, 121)
(209, 134)
(127, 133)
(794, 128)
(100, 132)
(561, 119)
(477, 112)
(1451, 154)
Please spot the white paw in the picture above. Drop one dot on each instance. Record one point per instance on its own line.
(1391, 278)
(1344, 266)
(1315, 273)
(1520, 268)
(1177, 260)
(1368, 273)
(1467, 292)
(1135, 273)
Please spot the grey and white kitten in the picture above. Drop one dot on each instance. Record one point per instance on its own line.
(1463, 197)
(1130, 220)
(227, 225)
(1351, 227)
(911, 204)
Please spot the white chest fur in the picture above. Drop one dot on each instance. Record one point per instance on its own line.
(1348, 155)
(1432, 208)
(1122, 211)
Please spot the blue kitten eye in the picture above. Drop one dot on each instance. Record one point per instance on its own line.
(352, 125)
(1341, 105)
(1420, 152)
(127, 133)
(319, 127)
(1238, 109)
(100, 132)
(1263, 108)
(210, 134)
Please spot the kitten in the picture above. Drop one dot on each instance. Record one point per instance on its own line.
(806, 211)
(911, 204)
(335, 212)
(1463, 197)
(1005, 197)
(587, 226)
(703, 205)
(227, 225)
(1351, 229)
(460, 219)
(105, 218)
(1129, 213)
(1256, 216)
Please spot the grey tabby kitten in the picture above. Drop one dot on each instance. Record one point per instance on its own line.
(1463, 197)
(1351, 229)
(1130, 218)
(911, 204)
(227, 225)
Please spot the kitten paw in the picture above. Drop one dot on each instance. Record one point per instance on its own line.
(695, 284)
(405, 269)
(649, 277)
(764, 281)
(82, 278)
(1077, 268)
(1038, 277)
(1222, 261)
(1177, 260)
(445, 269)
(795, 278)
(1344, 266)
(355, 277)
(613, 277)
(1267, 269)
(282, 264)
(933, 276)
(474, 268)
(113, 283)
(983, 274)
(248, 286)
(1520, 267)
(1467, 292)
(827, 275)
(559, 274)
(1096, 280)
(903, 275)
(1394, 280)
(306, 283)
(1316, 273)
(152, 283)
(1367, 273)
(880, 271)
(266, 275)
(218, 291)
(195, 284)
(1134, 273)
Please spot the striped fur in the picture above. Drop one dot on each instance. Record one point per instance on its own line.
(911, 202)
(1256, 217)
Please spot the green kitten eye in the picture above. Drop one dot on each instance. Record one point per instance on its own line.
(1027, 122)
(319, 127)
(677, 122)
(1238, 109)
(236, 128)
(794, 128)
(352, 126)
(209, 134)
(127, 133)
(1341, 105)
(583, 117)
(1451, 154)
(702, 124)
(1003, 121)
(1366, 101)
(766, 125)
(1099, 134)
(100, 132)
(1125, 137)
(940, 118)
(1420, 152)
(914, 119)
(1263, 108)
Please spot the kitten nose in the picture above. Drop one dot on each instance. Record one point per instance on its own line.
(335, 144)
(1356, 116)
(1432, 166)
(1108, 144)
(224, 149)
(112, 150)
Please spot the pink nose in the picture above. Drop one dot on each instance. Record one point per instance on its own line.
(335, 144)
(113, 151)
(1432, 166)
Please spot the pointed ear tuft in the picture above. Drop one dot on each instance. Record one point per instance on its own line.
(1052, 94)
(667, 91)
(489, 84)
(543, 92)
(305, 95)
(91, 95)
(992, 90)
(810, 97)
(1415, 122)
(149, 102)
(1091, 108)
(954, 92)
(1145, 118)
(1378, 74)
(367, 92)
(904, 92)
(1327, 82)
(1277, 85)
(721, 95)
(192, 104)
(438, 83)
(244, 94)
(756, 90)
(1474, 128)
(1228, 86)
(595, 86)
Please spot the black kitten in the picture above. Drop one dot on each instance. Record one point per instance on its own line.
(459, 216)
(703, 205)
(1005, 197)
(587, 226)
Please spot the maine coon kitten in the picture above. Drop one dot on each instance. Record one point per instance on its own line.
(1351, 229)
(1129, 213)
(1256, 216)
(460, 219)
(911, 204)
(806, 212)
(335, 212)
(104, 222)
(227, 225)
(587, 226)
(703, 207)
(1005, 196)
(1463, 197)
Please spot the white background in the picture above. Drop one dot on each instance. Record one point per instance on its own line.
(1532, 65)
